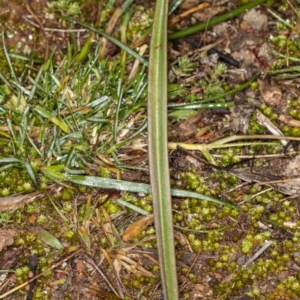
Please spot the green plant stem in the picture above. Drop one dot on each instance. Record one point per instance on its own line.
(285, 70)
(214, 21)
(288, 25)
(208, 102)
(226, 143)
(158, 151)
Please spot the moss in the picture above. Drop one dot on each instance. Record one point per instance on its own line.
(67, 194)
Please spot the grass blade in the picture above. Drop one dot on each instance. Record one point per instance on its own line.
(158, 152)
(113, 40)
(56, 173)
(50, 239)
(11, 69)
(203, 26)
(43, 112)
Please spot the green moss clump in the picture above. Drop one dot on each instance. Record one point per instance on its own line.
(67, 194)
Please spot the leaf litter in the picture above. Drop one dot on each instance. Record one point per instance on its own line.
(200, 253)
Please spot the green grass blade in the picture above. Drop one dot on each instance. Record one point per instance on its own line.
(113, 40)
(203, 26)
(287, 24)
(10, 160)
(106, 183)
(120, 185)
(10, 66)
(158, 152)
(35, 85)
(43, 112)
(126, 4)
(50, 239)
(173, 5)
(30, 171)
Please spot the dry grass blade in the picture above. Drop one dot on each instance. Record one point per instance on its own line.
(186, 13)
(134, 267)
(136, 228)
(115, 270)
(106, 295)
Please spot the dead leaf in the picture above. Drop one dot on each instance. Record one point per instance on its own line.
(32, 219)
(185, 129)
(110, 227)
(134, 267)
(117, 267)
(6, 238)
(282, 174)
(80, 266)
(136, 228)
(271, 94)
(289, 121)
(182, 239)
(106, 295)
(264, 121)
(201, 291)
(11, 203)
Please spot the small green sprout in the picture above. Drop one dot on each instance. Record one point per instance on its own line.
(112, 207)
(219, 70)
(213, 89)
(185, 67)
(69, 235)
(5, 192)
(104, 172)
(67, 194)
(64, 7)
(176, 90)
(246, 246)
(42, 220)
(5, 218)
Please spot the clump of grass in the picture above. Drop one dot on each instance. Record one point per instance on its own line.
(68, 114)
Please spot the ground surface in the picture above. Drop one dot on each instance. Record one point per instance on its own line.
(95, 254)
